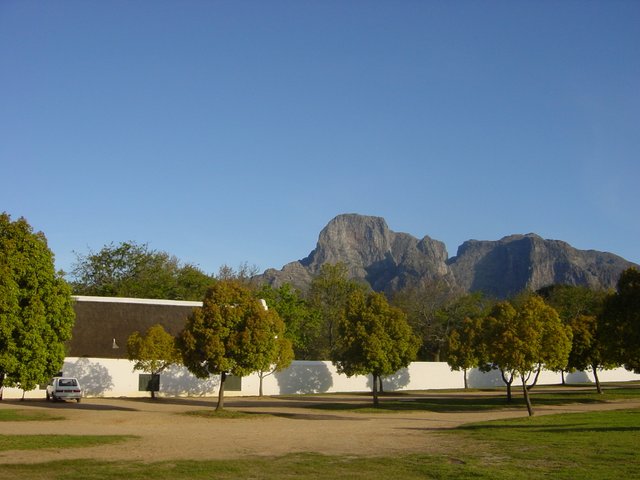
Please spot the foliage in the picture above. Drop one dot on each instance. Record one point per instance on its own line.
(620, 321)
(522, 335)
(302, 322)
(133, 270)
(153, 352)
(328, 295)
(231, 334)
(433, 309)
(373, 338)
(465, 347)
(578, 308)
(36, 313)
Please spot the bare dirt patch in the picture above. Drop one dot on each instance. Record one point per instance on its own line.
(164, 433)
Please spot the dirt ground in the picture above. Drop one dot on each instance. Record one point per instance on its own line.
(165, 433)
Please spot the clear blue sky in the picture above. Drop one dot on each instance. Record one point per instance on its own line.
(232, 131)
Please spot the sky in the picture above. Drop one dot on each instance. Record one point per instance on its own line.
(231, 132)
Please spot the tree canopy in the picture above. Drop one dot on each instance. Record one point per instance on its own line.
(373, 338)
(620, 321)
(302, 322)
(579, 308)
(231, 334)
(522, 335)
(134, 270)
(328, 295)
(154, 351)
(36, 313)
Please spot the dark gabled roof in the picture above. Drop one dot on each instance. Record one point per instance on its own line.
(103, 323)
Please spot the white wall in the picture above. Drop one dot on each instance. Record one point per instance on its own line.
(101, 377)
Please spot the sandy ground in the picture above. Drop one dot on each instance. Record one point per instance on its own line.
(165, 433)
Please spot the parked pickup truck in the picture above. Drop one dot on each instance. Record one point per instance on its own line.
(64, 388)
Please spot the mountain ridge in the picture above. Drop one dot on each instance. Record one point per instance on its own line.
(389, 261)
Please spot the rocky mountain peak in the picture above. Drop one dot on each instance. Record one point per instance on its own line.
(388, 260)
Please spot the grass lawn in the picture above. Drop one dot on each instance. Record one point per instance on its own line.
(595, 445)
(442, 403)
(10, 415)
(34, 442)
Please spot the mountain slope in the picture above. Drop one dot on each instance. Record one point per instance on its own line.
(388, 261)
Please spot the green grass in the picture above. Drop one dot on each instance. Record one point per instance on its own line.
(222, 414)
(35, 442)
(595, 445)
(10, 415)
(475, 402)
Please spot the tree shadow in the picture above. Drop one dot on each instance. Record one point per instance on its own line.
(94, 378)
(577, 377)
(178, 380)
(479, 379)
(312, 377)
(397, 381)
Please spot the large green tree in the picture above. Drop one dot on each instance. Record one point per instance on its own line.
(302, 322)
(232, 333)
(373, 338)
(619, 322)
(129, 269)
(154, 351)
(578, 308)
(433, 309)
(465, 346)
(328, 295)
(522, 335)
(36, 312)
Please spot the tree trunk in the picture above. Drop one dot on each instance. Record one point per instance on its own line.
(562, 376)
(508, 383)
(375, 390)
(220, 406)
(525, 390)
(381, 389)
(535, 379)
(595, 375)
(1, 385)
(466, 383)
(260, 376)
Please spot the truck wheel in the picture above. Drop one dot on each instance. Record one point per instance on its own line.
(78, 400)
(48, 397)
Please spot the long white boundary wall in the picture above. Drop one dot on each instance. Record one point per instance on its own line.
(101, 377)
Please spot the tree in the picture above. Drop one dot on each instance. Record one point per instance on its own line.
(301, 321)
(153, 352)
(328, 294)
(133, 270)
(578, 308)
(281, 358)
(231, 334)
(465, 347)
(522, 335)
(36, 312)
(619, 321)
(430, 308)
(373, 338)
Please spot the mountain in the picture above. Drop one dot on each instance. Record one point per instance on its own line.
(389, 261)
